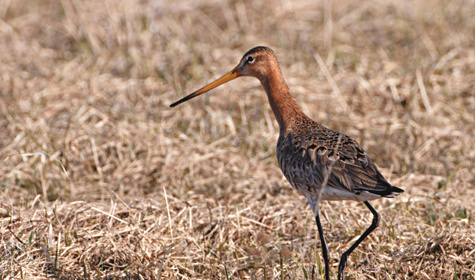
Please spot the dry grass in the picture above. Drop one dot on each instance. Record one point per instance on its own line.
(100, 179)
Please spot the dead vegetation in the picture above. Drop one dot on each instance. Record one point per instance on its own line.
(100, 179)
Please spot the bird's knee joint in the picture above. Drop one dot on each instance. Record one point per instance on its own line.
(376, 219)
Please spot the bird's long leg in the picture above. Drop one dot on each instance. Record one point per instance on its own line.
(344, 256)
(324, 247)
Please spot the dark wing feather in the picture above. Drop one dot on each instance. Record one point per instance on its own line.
(306, 159)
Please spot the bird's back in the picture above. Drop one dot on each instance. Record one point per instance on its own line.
(313, 157)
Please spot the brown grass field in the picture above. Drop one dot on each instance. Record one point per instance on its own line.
(100, 179)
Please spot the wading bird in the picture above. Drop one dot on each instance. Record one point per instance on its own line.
(322, 164)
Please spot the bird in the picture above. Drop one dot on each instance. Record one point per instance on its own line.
(320, 163)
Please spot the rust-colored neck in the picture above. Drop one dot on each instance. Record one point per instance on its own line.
(285, 108)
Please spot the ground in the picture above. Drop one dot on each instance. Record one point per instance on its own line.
(100, 179)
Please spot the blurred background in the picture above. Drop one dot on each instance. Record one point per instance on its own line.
(99, 178)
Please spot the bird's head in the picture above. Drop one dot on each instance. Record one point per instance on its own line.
(257, 62)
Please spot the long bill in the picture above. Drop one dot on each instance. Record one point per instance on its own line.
(224, 79)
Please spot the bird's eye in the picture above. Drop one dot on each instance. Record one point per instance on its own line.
(250, 59)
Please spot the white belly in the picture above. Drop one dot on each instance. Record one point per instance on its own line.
(337, 194)
(330, 193)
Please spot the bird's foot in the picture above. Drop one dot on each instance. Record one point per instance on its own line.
(342, 266)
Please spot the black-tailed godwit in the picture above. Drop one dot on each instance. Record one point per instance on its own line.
(322, 164)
